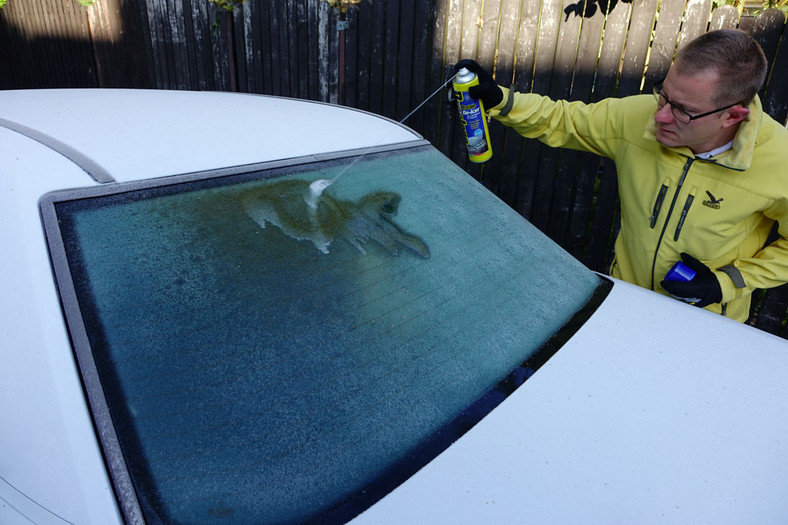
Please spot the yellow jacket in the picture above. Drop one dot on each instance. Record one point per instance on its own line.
(719, 211)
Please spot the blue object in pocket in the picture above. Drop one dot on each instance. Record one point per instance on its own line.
(680, 272)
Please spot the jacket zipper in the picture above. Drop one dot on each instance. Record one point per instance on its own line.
(683, 217)
(667, 219)
(658, 205)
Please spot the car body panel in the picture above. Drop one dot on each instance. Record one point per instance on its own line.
(659, 427)
(654, 412)
(136, 136)
(38, 365)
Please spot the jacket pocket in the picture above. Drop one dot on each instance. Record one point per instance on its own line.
(658, 203)
(684, 212)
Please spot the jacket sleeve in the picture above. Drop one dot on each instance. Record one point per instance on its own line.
(767, 268)
(757, 266)
(595, 127)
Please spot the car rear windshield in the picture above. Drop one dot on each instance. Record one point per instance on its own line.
(289, 344)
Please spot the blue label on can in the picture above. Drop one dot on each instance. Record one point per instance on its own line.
(473, 122)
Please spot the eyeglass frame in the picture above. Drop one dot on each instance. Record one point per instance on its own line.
(673, 107)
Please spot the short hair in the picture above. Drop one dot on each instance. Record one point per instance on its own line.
(734, 55)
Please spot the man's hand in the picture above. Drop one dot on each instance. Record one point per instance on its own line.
(487, 91)
(702, 290)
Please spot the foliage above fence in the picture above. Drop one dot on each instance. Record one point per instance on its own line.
(228, 5)
(86, 3)
(744, 5)
(387, 57)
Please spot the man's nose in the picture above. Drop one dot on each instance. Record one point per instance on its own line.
(664, 115)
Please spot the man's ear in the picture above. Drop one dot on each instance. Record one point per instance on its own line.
(735, 115)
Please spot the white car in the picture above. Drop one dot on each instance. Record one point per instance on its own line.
(223, 308)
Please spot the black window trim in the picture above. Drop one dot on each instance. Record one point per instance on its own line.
(87, 164)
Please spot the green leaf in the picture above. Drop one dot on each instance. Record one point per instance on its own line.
(227, 5)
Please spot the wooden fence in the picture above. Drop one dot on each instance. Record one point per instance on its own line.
(388, 57)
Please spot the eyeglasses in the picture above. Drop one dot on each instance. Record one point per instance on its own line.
(678, 112)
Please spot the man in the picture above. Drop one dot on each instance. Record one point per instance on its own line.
(702, 170)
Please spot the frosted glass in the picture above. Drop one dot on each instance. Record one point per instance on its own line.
(276, 373)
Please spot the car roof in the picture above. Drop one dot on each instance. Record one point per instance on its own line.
(136, 134)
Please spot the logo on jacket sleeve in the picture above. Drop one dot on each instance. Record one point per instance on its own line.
(713, 202)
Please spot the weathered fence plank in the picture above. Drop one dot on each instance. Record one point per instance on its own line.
(635, 55)
(237, 65)
(377, 58)
(252, 49)
(523, 153)
(294, 65)
(665, 40)
(488, 26)
(584, 165)
(362, 18)
(301, 40)
(450, 55)
(279, 64)
(505, 143)
(46, 44)
(696, 18)
(183, 75)
(436, 69)
(105, 33)
(422, 21)
(391, 48)
(746, 22)
(558, 164)
(284, 41)
(313, 51)
(770, 314)
(775, 101)
(724, 17)
(324, 56)
(203, 64)
(766, 29)
(349, 84)
(402, 67)
(604, 202)
(158, 41)
(537, 156)
(15, 51)
(48, 19)
(392, 56)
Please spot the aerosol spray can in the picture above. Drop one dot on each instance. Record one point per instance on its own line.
(477, 136)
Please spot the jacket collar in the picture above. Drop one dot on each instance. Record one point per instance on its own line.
(739, 157)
